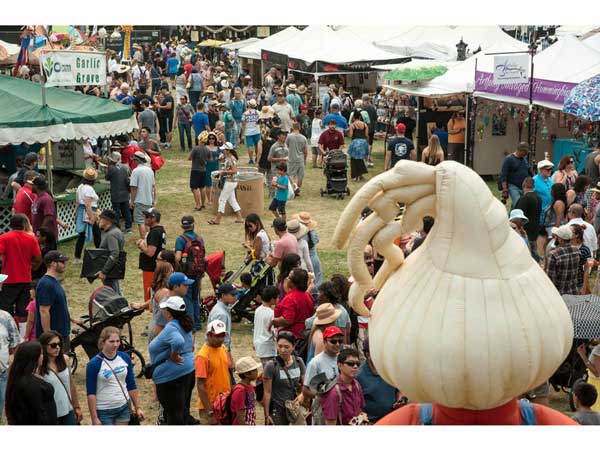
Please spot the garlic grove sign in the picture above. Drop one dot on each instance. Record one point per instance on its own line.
(67, 68)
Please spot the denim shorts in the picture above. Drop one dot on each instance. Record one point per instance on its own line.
(277, 205)
(252, 141)
(114, 415)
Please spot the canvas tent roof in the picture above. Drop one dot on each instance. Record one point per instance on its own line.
(374, 33)
(593, 41)
(240, 44)
(439, 42)
(252, 51)
(67, 115)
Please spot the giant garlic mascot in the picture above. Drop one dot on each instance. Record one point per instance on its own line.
(469, 321)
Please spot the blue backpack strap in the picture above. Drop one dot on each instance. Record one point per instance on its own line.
(425, 414)
(527, 412)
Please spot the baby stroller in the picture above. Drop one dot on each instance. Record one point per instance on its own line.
(570, 372)
(106, 309)
(336, 174)
(262, 275)
(215, 270)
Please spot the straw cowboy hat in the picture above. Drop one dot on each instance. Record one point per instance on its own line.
(90, 174)
(122, 68)
(302, 89)
(305, 219)
(203, 137)
(292, 88)
(246, 364)
(209, 90)
(266, 112)
(326, 314)
(297, 229)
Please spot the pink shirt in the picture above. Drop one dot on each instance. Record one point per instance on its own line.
(351, 405)
(286, 244)
(31, 308)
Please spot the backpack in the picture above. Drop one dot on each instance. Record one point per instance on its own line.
(526, 408)
(222, 407)
(195, 264)
(143, 81)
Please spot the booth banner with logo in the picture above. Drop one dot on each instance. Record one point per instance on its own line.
(511, 69)
(68, 68)
(547, 91)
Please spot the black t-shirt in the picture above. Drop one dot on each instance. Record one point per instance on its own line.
(263, 163)
(400, 148)
(410, 124)
(372, 112)
(531, 205)
(213, 118)
(167, 112)
(157, 237)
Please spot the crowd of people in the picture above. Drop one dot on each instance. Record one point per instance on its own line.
(312, 360)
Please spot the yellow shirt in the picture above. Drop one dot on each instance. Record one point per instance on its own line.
(212, 364)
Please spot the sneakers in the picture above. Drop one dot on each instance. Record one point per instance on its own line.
(370, 164)
(251, 162)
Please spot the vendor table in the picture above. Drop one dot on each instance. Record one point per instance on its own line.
(65, 210)
(577, 149)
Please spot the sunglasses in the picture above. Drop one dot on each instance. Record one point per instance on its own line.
(54, 345)
(352, 363)
(336, 341)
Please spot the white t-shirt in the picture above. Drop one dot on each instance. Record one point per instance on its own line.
(322, 363)
(286, 114)
(142, 177)
(264, 340)
(250, 117)
(305, 263)
(86, 191)
(266, 248)
(317, 129)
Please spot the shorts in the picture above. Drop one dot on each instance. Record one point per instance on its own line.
(111, 416)
(138, 213)
(252, 141)
(315, 150)
(296, 170)
(197, 179)
(14, 298)
(277, 205)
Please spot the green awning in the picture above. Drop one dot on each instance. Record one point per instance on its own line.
(415, 73)
(68, 114)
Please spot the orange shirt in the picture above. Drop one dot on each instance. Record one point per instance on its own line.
(457, 124)
(212, 364)
(508, 414)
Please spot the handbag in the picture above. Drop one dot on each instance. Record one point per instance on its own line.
(94, 261)
(67, 392)
(156, 161)
(133, 417)
(221, 182)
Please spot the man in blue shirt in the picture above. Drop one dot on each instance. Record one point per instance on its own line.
(380, 398)
(515, 168)
(341, 124)
(52, 312)
(542, 183)
(227, 296)
(172, 66)
(294, 99)
(193, 280)
(200, 120)
(124, 96)
(238, 106)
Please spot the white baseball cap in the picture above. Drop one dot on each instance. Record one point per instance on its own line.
(545, 163)
(3, 277)
(175, 303)
(226, 146)
(216, 327)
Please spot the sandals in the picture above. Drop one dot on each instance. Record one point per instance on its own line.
(199, 209)
(213, 222)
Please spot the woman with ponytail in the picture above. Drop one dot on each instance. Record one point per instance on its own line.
(171, 354)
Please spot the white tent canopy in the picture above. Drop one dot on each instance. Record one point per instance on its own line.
(240, 44)
(440, 42)
(372, 34)
(593, 41)
(252, 51)
(12, 49)
(574, 30)
(460, 78)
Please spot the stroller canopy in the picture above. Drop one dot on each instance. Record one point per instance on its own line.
(106, 303)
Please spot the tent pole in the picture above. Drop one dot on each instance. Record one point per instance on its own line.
(317, 90)
(417, 127)
(49, 165)
(466, 158)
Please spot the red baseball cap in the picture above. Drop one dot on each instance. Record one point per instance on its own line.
(303, 107)
(332, 331)
(401, 127)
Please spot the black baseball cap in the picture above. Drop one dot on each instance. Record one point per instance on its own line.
(187, 221)
(108, 214)
(279, 224)
(40, 181)
(152, 212)
(226, 288)
(54, 256)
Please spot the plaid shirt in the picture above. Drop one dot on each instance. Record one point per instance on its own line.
(563, 268)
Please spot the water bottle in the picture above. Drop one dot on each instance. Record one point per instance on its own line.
(184, 261)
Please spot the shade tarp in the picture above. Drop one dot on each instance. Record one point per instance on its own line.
(240, 44)
(593, 41)
(68, 115)
(210, 43)
(252, 51)
(584, 100)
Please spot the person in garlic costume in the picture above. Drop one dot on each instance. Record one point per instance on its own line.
(469, 322)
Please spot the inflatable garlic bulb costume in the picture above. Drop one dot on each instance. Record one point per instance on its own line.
(469, 320)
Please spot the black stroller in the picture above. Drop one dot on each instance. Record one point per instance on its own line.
(336, 174)
(106, 309)
(570, 372)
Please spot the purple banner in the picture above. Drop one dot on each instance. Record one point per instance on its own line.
(543, 90)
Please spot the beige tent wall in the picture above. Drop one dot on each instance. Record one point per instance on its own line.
(490, 151)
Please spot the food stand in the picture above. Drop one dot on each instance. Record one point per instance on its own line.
(58, 119)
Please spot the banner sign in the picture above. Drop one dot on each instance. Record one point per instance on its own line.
(511, 69)
(543, 90)
(66, 68)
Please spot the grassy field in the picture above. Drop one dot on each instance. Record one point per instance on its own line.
(176, 200)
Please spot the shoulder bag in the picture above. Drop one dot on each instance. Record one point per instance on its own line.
(133, 419)
(67, 392)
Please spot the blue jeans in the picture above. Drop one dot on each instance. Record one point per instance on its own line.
(114, 415)
(3, 380)
(185, 130)
(69, 419)
(235, 133)
(122, 211)
(114, 284)
(515, 193)
(192, 305)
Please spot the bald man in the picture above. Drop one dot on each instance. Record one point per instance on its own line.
(590, 239)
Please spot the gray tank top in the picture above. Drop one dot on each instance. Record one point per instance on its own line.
(63, 405)
(591, 169)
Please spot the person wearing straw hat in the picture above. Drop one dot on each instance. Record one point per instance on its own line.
(563, 262)
(243, 401)
(228, 172)
(117, 175)
(86, 224)
(142, 189)
(113, 241)
(294, 99)
(325, 316)
(312, 239)
(250, 129)
(299, 231)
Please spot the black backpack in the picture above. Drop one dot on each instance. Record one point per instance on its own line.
(195, 262)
